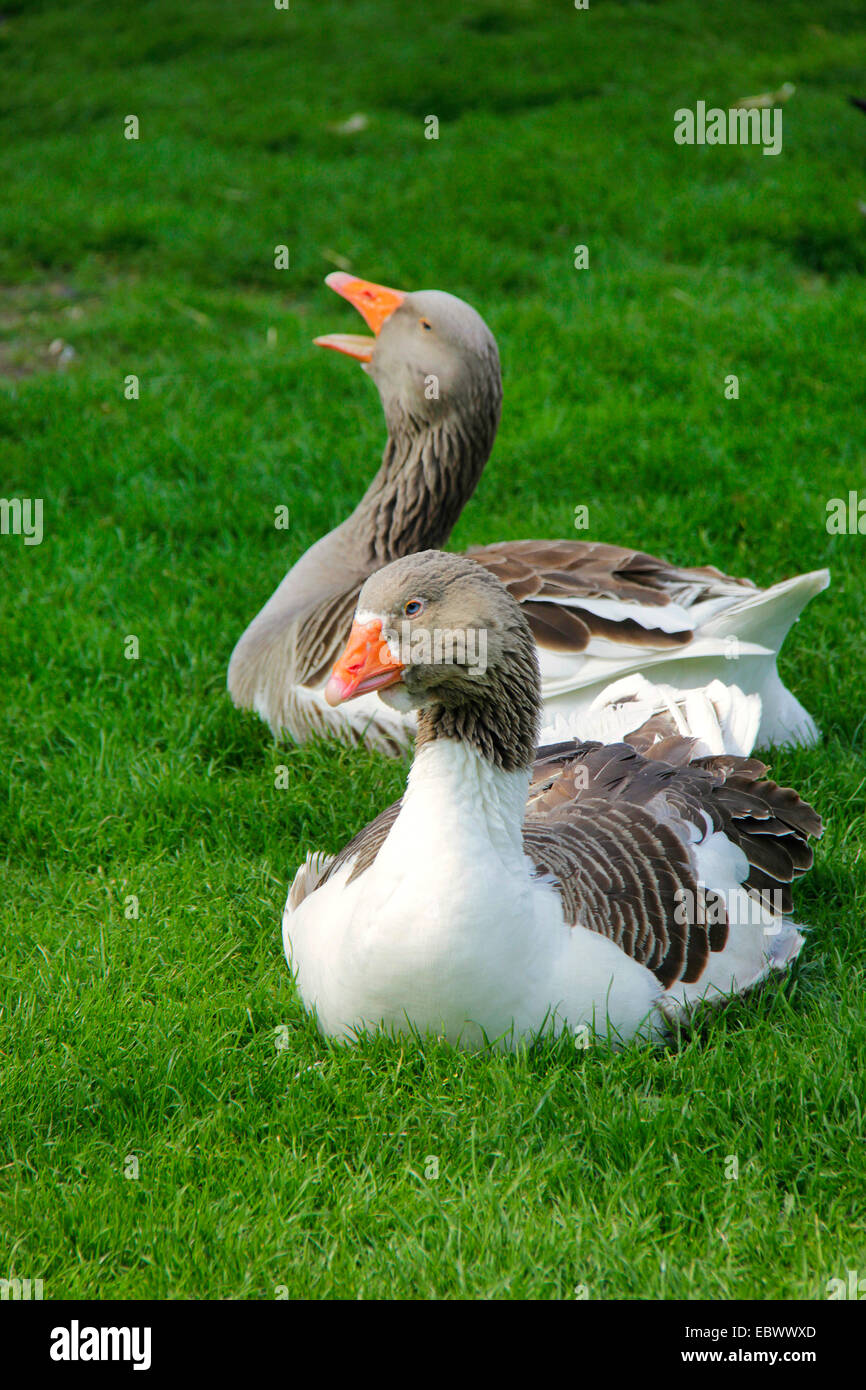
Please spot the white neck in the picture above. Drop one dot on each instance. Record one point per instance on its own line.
(457, 799)
(440, 929)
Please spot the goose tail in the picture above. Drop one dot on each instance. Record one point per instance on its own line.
(767, 615)
(765, 618)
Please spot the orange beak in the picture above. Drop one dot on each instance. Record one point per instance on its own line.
(375, 303)
(366, 664)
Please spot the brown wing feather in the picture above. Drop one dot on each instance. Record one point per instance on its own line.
(366, 844)
(561, 629)
(573, 792)
(535, 571)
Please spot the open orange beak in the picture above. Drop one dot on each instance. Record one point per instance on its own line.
(366, 664)
(375, 303)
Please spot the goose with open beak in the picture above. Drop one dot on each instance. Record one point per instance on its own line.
(598, 613)
(607, 888)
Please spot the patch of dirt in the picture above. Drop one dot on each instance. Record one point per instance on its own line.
(37, 327)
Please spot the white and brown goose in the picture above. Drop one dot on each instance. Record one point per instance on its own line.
(509, 893)
(597, 612)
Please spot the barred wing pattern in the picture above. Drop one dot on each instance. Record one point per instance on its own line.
(613, 827)
(549, 579)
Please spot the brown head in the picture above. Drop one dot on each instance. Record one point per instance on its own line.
(438, 633)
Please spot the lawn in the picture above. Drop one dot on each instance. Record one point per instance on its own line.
(172, 1124)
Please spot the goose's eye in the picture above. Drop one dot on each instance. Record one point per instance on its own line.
(412, 607)
(426, 324)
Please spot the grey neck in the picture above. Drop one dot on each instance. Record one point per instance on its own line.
(427, 476)
(428, 473)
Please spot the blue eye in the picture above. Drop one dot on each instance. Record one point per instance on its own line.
(412, 607)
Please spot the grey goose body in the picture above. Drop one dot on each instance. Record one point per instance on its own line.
(597, 612)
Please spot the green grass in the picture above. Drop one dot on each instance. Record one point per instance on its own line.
(300, 1165)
